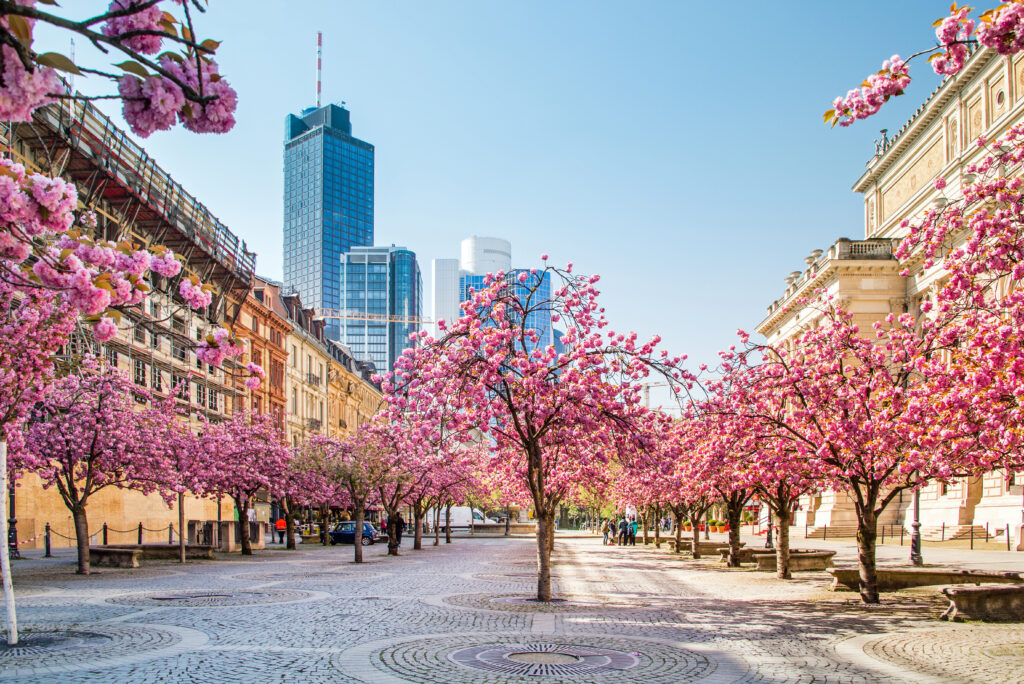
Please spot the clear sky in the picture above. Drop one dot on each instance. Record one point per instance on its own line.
(676, 148)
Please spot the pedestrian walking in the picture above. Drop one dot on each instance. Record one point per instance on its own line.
(399, 527)
(622, 531)
(604, 530)
(281, 526)
(632, 533)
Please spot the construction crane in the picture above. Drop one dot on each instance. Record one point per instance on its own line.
(344, 315)
(647, 391)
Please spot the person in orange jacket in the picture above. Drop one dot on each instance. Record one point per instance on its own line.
(281, 526)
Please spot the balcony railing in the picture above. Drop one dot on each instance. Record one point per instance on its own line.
(313, 424)
(313, 379)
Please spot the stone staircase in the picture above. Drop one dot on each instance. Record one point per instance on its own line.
(833, 532)
(954, 532)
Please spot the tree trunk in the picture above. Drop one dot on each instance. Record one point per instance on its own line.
(867, 535)
(417, 523)
(734, 513)
(360, 510)
(5, 558)
(646, 519)
(325, 512)
(243, 525)
(695, 539)
(782, 516)
(289, 527)
(81, 537)
(679, 535)
(508, 518)
(437, 523)
(392, 531)
(657, 527)
(448, 522)
(545, 533)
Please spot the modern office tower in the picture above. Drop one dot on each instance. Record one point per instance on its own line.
(378, 283)
(328, 203)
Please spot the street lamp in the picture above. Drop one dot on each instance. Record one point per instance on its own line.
(12, 528)
(768, 534)
(915, 535)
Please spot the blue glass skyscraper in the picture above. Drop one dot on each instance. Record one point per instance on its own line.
(380, 282)
(328, 203)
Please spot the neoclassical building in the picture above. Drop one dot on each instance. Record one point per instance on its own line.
(985, 99)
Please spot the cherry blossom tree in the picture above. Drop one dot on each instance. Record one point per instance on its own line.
(85, 435)
(241, 456)
(547, 411)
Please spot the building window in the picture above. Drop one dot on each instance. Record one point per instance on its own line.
(154, 340)
(179, 352)
(295, 402)
(140, 373)
(180, 385)
(943, 489)
(213, 399)
(111, 357)
(178, 325)
(295, 358)
(157, 383)
(140, 334)
(200, 394)
(154, 309)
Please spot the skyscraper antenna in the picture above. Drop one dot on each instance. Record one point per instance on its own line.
(319, 58)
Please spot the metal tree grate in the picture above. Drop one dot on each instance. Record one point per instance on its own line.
(543, 659)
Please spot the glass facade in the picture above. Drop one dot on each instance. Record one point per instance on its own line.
(540, 318)
(328, 203)
(380, 282)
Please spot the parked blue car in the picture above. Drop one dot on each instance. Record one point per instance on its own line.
(345, 533)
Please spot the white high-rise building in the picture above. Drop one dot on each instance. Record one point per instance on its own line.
(479, 256)
(482, 255)
(444, 291)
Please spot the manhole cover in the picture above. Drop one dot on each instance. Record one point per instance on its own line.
(572, 603)
(544, 659)
(186, 597)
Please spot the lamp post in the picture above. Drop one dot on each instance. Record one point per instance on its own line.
(12, 528)
(915, 535)
(768, 535)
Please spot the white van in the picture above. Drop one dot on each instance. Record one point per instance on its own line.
(460, 518)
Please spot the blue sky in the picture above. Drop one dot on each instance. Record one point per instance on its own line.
(675, 148)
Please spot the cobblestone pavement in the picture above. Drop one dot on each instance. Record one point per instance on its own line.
(461, 613)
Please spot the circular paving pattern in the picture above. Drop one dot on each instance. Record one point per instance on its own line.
(524, 577)
(54, 649)
(210, 599)
(519, 603)
(608, 660)
(992, 651)
(325, 575)
(543, 659)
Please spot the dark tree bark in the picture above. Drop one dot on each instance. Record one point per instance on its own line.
(81, 537)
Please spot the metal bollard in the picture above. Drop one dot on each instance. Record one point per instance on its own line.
(104, 534)
(140, 533)
(824, 534)
(1007, 536)
(972, 537)
(902, 530)
(46, 541)
(170, 533)
(986, 533)
(943, 531)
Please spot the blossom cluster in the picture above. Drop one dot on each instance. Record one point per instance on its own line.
(860, 103)
(1002, 29)
(953, 33)
(144, 19)
(219, 345)
(156, 103)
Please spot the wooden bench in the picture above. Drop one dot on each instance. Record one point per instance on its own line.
(168, 551)
(799, 560)
(894, 579)
(986, 602)
(113, 557)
